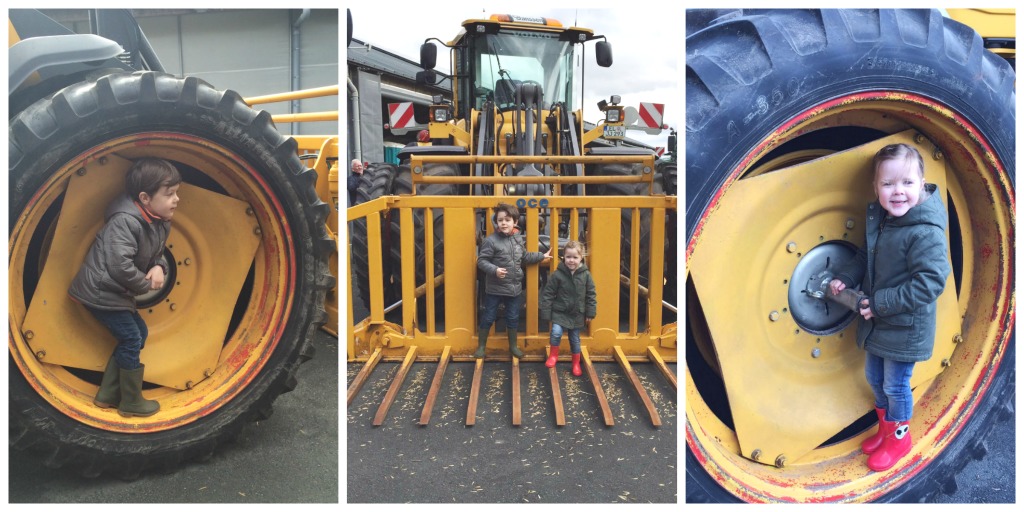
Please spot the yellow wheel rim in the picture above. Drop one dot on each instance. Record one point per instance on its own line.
(253, 332)
(978, 194)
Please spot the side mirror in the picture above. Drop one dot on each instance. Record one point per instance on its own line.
(426, 77)
(428, 55)
(349, 28)
(604, 54)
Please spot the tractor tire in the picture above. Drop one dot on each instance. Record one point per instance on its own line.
(403, 186)
(224, 147)
(377, 181)
(765, 86)
(634, 189)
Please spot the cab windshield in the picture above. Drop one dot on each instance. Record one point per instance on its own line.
(512, 57)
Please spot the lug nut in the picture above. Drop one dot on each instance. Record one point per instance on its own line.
(207, 372)
(791, 247)
(257, 231)
(29, 335)
(958, 339)
(756, 454)
(174, 306)
(40, 355)
(188, 261)
(918, 138)
(850, 224)
(780, 461)
(188, 385)
(103, 160)
(248, 211)
(80, 172)
(773, 316)
(937, 155)
(945, 363)
(816, 352)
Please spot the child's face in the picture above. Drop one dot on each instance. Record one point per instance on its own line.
(572, 259)
(505, 222)
(163, 203)
(898, 185)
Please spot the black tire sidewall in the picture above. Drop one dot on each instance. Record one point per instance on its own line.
(721, 133)
(155, 102)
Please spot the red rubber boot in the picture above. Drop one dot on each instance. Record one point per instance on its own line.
(553, 358)
(576, 365)
(895, 445)
(872, 443)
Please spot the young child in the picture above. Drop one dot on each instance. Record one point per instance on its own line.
(902, 271)
(502, 256)
(123, 262)
(570, 302)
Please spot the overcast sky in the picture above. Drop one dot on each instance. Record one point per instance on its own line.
(647, 45)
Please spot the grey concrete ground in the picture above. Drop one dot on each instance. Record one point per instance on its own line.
(292, 457)
(495, 462)
(992, 479)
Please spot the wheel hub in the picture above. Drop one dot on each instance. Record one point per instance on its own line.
(810, 279)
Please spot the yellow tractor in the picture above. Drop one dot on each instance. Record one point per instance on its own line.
(785, 109)
(512, 132)
(248, 256)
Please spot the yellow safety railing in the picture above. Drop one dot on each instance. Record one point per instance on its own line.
(618, 325)
(320, 153)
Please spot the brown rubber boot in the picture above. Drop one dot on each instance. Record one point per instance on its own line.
(132, 403)
(109, 394)
(513, 345)
(482, 344)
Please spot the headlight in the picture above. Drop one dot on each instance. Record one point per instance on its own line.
(440, 115)
(613, 115)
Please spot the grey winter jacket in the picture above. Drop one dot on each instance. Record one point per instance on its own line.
(569, 298)
(127, 246)
(509, 252)
(903, 271)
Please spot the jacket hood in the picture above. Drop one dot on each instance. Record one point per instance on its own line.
(123, 204)
(930, 211)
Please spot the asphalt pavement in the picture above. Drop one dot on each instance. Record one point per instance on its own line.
(496, 462)
(292, 457)
(993, 478)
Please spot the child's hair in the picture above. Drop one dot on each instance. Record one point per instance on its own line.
(576, 246)
(509, 210)
(148, 175)
(899, 152)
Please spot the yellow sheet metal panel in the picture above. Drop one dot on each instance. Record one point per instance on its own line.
(796, 411)
(987, 22)
(212, 262)
(604, 239)
(460, 274)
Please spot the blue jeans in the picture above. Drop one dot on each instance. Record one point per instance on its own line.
(574, 337)
(490, 312)
(129, 329)
(890, 381)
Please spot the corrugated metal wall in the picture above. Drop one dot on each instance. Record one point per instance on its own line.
(249, 51)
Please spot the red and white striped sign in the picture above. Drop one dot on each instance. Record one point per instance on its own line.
(401, 115)
(652, 114)
(659, 151)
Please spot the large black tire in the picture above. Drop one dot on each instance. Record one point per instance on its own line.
(634, 189)
(750, 76)
(403, 185)
(45, 142)
(377, 181)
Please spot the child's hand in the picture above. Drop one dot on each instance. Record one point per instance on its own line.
(547, 255)
(836, 286)
(587, 321)
(156, 277)
(866, 313)
(501, 273)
